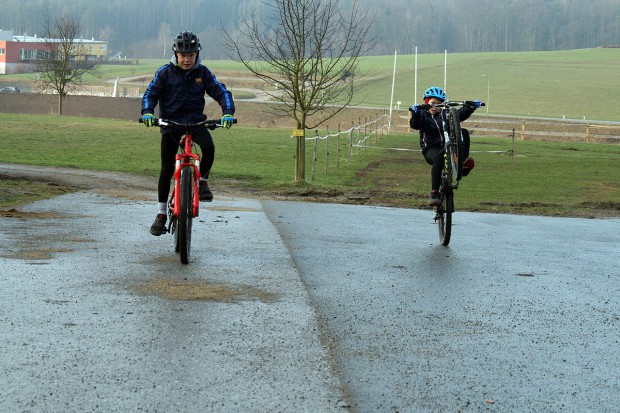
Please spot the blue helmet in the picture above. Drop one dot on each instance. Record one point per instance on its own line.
(434, 92)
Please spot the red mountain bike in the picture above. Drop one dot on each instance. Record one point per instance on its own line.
(184, 201)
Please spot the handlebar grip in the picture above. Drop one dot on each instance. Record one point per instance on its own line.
(155, 123)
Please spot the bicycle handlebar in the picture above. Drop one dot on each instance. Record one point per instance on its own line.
(210, 123)
(449, 103)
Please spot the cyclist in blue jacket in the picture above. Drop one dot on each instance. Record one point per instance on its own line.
(428, 123)
(180, 87)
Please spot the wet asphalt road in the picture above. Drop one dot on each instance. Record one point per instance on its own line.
(306, 307)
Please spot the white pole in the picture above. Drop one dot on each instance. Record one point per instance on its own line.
(488, 91)
(415, 82)
(445, 70)
(392, 98)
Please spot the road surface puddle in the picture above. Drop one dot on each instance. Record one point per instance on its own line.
(175, 289)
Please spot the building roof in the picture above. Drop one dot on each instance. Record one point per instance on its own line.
(35, 39)
(8, 36)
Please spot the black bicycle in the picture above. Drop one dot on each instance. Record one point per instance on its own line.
(454, 156)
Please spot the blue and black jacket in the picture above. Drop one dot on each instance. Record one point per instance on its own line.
(181, 94)
(430, 126)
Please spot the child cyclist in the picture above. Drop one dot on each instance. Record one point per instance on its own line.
(179, 87)
(428, 122)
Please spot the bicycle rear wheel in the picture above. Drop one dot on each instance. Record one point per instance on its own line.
(444, 214)
(456, 157)
(184, 222)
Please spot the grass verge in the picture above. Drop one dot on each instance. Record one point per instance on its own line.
(547, 178)
(15, 193)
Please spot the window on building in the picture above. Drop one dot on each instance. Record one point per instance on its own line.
(33, 54)
(2, 51)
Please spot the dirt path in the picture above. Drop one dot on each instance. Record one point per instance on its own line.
(128, 186)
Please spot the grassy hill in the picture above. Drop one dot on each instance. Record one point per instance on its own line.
(572, 83)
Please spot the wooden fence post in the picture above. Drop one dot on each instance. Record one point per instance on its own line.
(512, 155)
(338, 148)
(316, 138)
(351, 139)
(359, 132)
(326, 150)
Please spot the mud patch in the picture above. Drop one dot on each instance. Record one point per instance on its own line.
(186, 290)
(81, 240)
(520, 204)
(612, 206)
(127, 194)
(36, 255)
(15, 213)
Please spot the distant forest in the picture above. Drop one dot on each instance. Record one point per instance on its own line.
(146, 29)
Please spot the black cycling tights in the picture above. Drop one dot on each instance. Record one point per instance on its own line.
(169, 148)
(434, 156)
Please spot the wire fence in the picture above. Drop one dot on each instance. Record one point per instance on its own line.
(357, 137)
(331, 144)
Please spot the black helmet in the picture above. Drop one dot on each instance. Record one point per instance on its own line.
(186, 42)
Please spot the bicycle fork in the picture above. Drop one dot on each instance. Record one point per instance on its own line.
(174, 203)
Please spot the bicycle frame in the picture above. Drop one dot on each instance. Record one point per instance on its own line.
(182, 160)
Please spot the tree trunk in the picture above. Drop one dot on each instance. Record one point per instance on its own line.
(300, 154)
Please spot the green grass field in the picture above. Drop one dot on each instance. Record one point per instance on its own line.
(551, 178)
(572, 83)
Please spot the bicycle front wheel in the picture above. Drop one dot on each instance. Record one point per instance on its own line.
(456, 157)
(184, 222)
(445, 217)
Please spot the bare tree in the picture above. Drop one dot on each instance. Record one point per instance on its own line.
(106, 34)
(65, 61)
(165, 37)
(307, 54)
